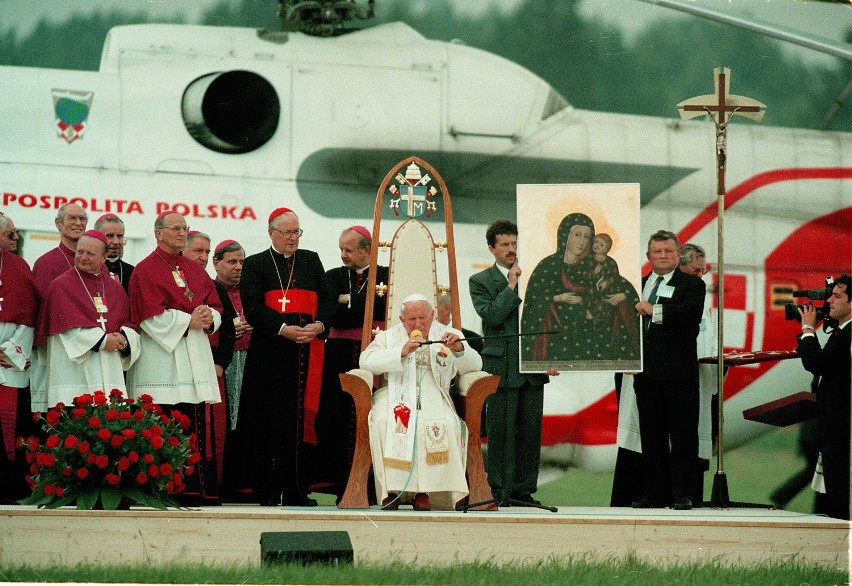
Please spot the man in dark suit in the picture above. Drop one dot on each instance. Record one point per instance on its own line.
(667, 388)
(514, 412)
(831, 364)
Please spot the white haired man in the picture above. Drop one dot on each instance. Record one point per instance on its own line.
(417, 440)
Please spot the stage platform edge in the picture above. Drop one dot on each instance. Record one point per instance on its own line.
(230, 535)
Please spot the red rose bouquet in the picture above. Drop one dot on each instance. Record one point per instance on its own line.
(109, 450)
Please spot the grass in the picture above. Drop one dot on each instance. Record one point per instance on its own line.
(569, 571)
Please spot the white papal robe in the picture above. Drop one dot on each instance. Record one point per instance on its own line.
(434, 438)
(74, 369)
(176, 364)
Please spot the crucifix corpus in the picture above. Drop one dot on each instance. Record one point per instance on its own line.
(721, 106)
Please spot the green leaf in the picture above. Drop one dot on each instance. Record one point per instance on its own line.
(150, 500)
(66, 500)
(110, 498)
(87, 500)
(37, 498)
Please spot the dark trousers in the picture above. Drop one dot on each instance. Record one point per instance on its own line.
(835, 465)
(668, 416)
(514, 439)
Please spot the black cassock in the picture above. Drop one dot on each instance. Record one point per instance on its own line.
(336, 418)
(276, 435)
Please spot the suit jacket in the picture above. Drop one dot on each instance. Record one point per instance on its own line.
(498, 305)
(222, 341)
(122, 270)
(831, 364)
(670, 347)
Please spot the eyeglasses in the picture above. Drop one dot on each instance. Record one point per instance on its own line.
(176, 228)
(288, 233)
(12, 234)
(71, 219)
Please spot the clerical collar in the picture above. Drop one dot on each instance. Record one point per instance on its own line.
(360, 271)
(226, 286)
(272, 246)
(166, 252)
(113, 261)
(88, 275)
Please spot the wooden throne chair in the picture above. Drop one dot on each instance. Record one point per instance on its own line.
(415, 203)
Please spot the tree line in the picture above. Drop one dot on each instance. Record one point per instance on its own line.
(588, 61)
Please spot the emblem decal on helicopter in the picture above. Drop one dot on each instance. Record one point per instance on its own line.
(72, 110)
(413, 190)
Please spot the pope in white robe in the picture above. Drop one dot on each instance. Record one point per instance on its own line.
(86, 318)
(418, 442)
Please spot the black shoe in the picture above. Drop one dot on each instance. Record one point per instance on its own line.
(269, 499)
(645, 503)
(682, 504)
(188, 500)
(526, 499)
(299, 500)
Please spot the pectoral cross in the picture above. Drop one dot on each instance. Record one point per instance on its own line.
(102, 320)
(283, 301)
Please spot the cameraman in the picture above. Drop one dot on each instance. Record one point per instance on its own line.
(831, 364)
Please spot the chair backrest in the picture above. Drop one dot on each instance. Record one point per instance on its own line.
(414, 202)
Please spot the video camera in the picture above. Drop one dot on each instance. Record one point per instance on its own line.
(791, 310)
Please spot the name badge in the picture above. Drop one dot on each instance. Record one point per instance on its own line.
(665, 291)
(100, 304)
(180, 279)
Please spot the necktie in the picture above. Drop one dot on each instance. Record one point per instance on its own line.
(652, 299)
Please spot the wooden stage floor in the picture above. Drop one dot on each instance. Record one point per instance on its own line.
(231, 535)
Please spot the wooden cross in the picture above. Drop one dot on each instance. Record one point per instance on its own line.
(283, 301)
(102, 320)
(721, 106)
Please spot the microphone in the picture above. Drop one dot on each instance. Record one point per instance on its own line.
(415, 334)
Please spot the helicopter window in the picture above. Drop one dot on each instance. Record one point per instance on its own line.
(231, 112)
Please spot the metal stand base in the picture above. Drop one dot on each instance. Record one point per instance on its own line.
(719, 498)
(505, 503)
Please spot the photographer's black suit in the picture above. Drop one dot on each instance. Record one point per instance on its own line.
(667, 392)
(831, 364)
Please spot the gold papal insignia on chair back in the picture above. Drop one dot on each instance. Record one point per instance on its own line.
(413, 210)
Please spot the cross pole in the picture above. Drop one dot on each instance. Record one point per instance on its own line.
(721, 106)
